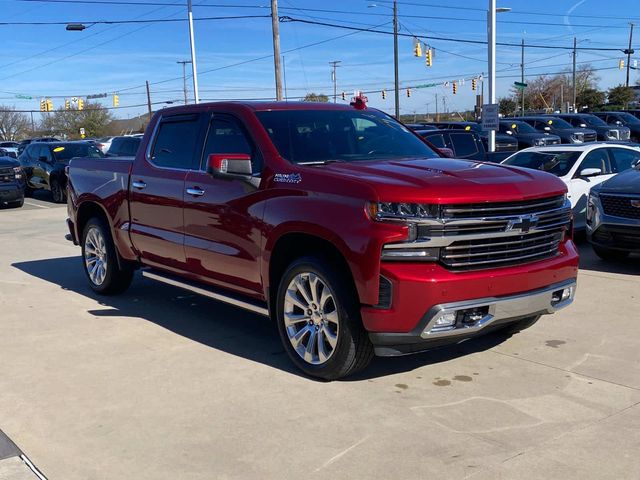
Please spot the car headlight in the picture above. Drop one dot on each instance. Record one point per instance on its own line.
(538, 142)
(577, 137)
(17, 172)
(382, 211)
(592, 208)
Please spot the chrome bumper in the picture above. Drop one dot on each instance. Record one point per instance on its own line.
(496, 310)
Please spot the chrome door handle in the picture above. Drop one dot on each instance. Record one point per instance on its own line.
(195, 191)
(139, 185)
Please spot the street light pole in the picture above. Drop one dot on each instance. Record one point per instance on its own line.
(629, 52)
(491, 39)
(184, 78)
(395, 59)
(194, 69)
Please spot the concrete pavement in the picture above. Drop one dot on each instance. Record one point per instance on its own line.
(157, 383)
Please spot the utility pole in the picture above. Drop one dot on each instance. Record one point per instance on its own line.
(334, 79)
(629, 52)
(522, 76)
(575, 44)
(395, 58)
(275, 30)
(562, 98)
(194, 69)
(149, 101)
(184, 78)
(437, 114)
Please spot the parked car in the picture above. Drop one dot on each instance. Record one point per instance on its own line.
(613, 216)
(124, 146)
(580, 167)
(340, 224)
(622, 119)
(23, 144)
(526, 135)
(567, 132)
(11, 182)
(420, 126)
(504, 143)
(104, 143)
(603, 131)
(44, 165)
(462, 143)
(11, 148)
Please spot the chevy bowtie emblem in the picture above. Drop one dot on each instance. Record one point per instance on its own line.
(635, 203)
(523, 223)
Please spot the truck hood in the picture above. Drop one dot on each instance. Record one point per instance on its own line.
(625, 182)
(8, 162)
(445, 180)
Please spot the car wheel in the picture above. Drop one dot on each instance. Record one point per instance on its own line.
(319, 321)
(17, 204)
(514, 327)
(57, 192)
(100, 260)
(609, 254)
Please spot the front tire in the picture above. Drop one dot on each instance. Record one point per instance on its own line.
(609, 254)
(319, 321)
(57, 192)
(100, 260)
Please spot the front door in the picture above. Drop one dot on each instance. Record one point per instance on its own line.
(157, 191)
(223, 216)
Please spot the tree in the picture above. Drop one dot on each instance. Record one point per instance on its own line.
(316, 97)
(94, 118)
(13, 125)
(620, 95)
(589, 97)
(507, 106)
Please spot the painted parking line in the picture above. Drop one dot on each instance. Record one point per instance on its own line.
(35, 204)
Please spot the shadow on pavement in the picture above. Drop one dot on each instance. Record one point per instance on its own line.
(590, 261)
(218, 325)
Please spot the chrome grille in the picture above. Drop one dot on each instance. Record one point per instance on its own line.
(7, 175)
(621, 206)
(502, 209)
(590, 137)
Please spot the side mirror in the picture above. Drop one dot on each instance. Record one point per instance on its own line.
(446, 152)
(590, 172)
(223, 164)
(583, 125)
(509, 132)
(547, 129)
(618, 122)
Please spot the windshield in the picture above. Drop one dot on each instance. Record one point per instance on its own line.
(72, 150)
(593, 120)
(319, 136)
(557, 162)
(559, 123)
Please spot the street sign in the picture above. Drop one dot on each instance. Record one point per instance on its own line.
(82, 132)
(490, 119)
(25, 97)
(520, 85)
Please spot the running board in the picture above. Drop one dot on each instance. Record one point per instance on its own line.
(206, 291)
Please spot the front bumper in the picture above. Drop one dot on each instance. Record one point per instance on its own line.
(11, 193)
(611, 232)
(489, 313)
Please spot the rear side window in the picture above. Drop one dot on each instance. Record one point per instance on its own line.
(623, 159)
(464, 145)
(437, 140)
(176, 143)
(130, 147)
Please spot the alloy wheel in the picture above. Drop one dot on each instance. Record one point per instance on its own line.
(95, 256)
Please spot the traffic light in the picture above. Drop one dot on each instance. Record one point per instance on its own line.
(384, 94)
(429, 57)
(116, 100)
(473, 84)
(67, 104)
(621, 64)
(344, 96)
(80, 104)
(417, 49)
(408, 92)
(455, 88)
(49, 105)
(43, 105)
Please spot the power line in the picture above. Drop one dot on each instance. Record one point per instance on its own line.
(124, 22)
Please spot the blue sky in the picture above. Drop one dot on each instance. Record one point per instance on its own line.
(46, 60)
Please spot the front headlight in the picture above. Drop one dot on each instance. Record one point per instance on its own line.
(592, 209)
(17, 172)
(539, 142)
(382, 211)
(577, 137)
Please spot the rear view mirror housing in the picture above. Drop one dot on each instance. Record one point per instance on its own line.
(590, 172)
(446, 152)
(229, 164)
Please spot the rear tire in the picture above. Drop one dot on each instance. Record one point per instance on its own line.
(318, 318)
(57, 192)
(100, 260)
(609, 254)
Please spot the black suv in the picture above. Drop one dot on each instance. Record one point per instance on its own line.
(526, 135)
(504, 143)
(613, 216)
(561, 128)
(124, 146)
(625, 119)
(44, 165)
(605, 132)
(11, 182)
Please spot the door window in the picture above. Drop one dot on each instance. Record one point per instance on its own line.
(227, 136)
(437, 140)
(464, 144)
(623, 159)
(43, 151)
(596, 159)
(176, 143)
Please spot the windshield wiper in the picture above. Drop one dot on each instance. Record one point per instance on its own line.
(322, 162)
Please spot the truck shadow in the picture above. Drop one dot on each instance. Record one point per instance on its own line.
(216, 324)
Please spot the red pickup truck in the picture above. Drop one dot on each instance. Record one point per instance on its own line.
(343, 226)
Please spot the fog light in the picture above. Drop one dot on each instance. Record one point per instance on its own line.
(560, 296)
(445, 319)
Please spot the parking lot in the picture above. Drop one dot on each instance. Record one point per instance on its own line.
(158, 383)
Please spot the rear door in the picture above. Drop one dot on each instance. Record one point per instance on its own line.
(223, 216)
(157, 191)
